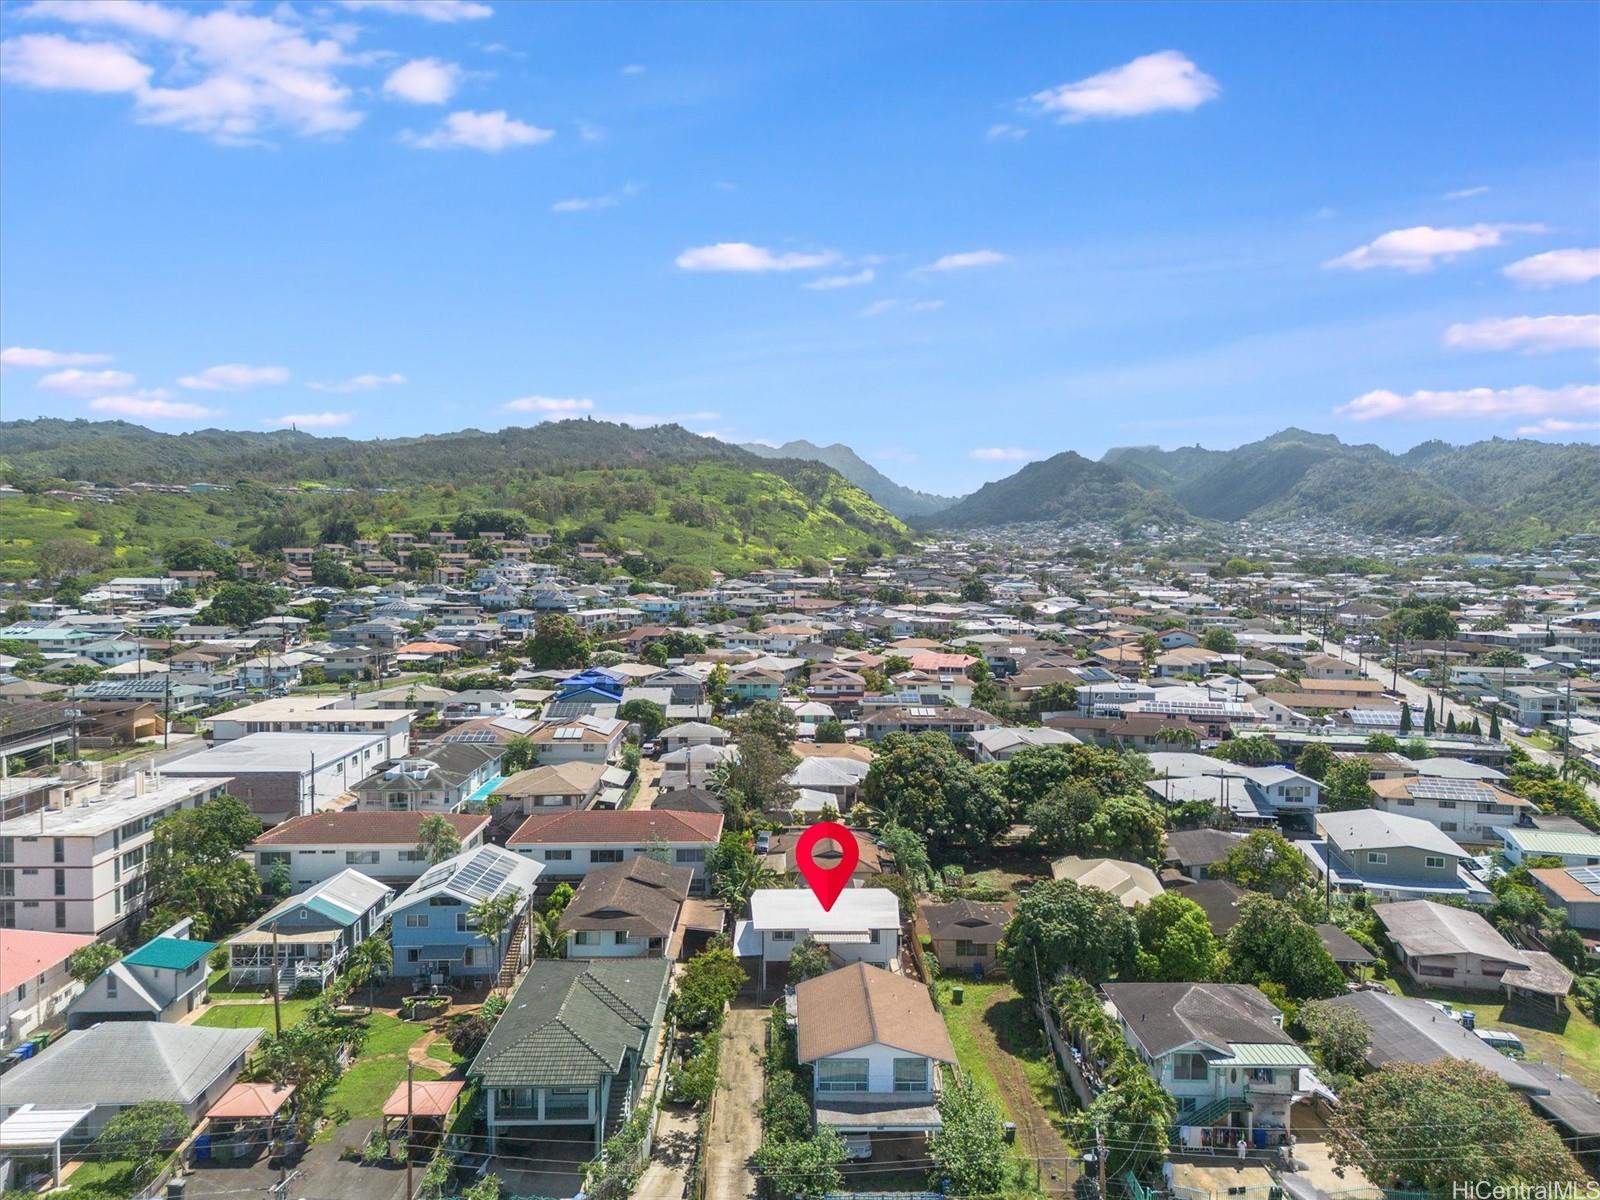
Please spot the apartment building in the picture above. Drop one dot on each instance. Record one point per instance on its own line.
(80, 867)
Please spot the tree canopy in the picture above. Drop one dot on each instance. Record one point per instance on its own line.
(1059, 926)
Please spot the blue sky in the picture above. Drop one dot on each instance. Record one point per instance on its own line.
(955, 237)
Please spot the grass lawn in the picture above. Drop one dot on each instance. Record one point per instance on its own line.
(380, 1066)
(100, 1179)
(1572, 1040)
(252, 1016)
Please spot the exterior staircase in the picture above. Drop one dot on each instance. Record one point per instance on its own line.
(1211, 1115)
(511, 965)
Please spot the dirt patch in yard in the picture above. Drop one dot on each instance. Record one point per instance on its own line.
(1008, 1035)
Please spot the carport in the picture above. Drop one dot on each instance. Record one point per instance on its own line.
(34, 1128)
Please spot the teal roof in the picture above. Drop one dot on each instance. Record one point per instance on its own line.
(334, 912)
(169, 953)
(1264, 1054)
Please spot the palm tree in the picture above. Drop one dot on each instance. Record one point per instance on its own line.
(493, 917)
(546, 930)
(371, 958)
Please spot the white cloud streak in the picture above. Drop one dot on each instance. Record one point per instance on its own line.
(423, 81)
(1422, 247)
(591, 203)
(743, 257)
(152, 406)
(549, 406)
(1000, 454)
(1466, 193)
(311, 420)
(234, 377)
(1555, 268)
(967, 260)
(1482, 403)
(1161, 82)
(1530, 335)
(439, 12)
(828, 283)
(1555, 425)
(36, 359)
(359, 383)
(76, 382)
(490, 132)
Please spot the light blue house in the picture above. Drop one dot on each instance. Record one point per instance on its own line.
(434, 937)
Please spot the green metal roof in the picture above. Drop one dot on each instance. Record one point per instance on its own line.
(169, 953)
(1264, 1054)
(1554, 841)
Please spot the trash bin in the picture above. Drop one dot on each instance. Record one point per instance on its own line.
(1469, 1019)
(957, 995)
(1010, 1132)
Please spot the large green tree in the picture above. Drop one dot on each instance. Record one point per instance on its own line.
(1175, 940)
(1265, 861)
(240, 605)
(557, 642)
(1271, 944)
(969, 1151)
(1346, 786)
(921, 781)
(1059, 926)
(143, 1135)
(1442, 1124)
(195, 868)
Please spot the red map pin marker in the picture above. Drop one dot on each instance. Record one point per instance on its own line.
(827, 882)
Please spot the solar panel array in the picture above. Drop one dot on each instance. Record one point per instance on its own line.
(483, 875)
(1450, 789)
(568, 735)
(1375, 716)
(1588, 876)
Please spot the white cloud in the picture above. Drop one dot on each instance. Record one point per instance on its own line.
(314, 420)
(359, 383)
(152, 405)
(1555, 267)
(1151, 83)
(55, 63)
(75, 382)
(926, 305)
(549, 406)
(967, 259)
(1554, 425)
(590, 203)
(742, 256)
(829, 283)
(241, 74)
(1000, 454)
(446, 12)
(878, 307)
(1487, 403)
(1531, 335)
(1421, 247)
(490, 132)
(588, 131)
(633, 69)
(234, 377)
(423, 81)
(1466, 193)
(25, 356)
(1002, 132)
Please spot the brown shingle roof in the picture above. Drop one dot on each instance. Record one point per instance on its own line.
(858, 1005)
(641, 896)
(361, 828)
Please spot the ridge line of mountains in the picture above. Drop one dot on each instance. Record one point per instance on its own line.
(1495, 492)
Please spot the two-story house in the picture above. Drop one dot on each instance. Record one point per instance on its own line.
(1470, 811)
(34, 983)
(584, 739)
(569, 786)
(163, 980)
(571, 1049)
(862, 926)
(381, 845)
(439, 780)
(1220, 1051)
(876, 1047)
(1391, 857)
(432, 931)
(626, 910)
(571, 844)
(307, 937)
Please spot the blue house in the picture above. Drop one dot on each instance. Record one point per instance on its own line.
(432, 932)
(593, 686)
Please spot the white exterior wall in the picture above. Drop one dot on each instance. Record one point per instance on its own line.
(1466, 822)
(35, 1002)
(581, 860)
(396, 730)
(880, 1075)
(880, 953)
(310, 865)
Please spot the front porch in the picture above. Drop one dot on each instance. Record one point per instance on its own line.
(254, 960)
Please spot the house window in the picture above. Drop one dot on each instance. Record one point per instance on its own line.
(61, 914)
(111, 986)
(690, 856)
(965, 949)
(1434, 861)
(558, 856)
(1377, 857)
(61, 882)
(782, 935)
(416, 920)
(585, 937)
(566, 1104)
(1190, 1067)
(361, 858)
(8, 882)
(59, 851)
(605, 856)
(8, 849)
(910, 1074)
(841, 1075)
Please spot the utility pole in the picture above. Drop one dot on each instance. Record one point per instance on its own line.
(1100, 1157)
(166, 713)
(410, 1068)
(277, 1011)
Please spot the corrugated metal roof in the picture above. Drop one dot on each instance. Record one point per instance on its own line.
(1263, 1054)
(172, 954)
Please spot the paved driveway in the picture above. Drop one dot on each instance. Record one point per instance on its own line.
(735, 1131)
(319, 1173)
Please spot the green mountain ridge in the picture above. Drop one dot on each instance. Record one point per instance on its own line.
(902, 501)
(1065, 487)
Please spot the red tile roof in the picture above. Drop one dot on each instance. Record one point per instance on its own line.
(361, 828)
(631, 825)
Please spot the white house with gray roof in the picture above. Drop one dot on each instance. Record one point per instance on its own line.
(1391, 857)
